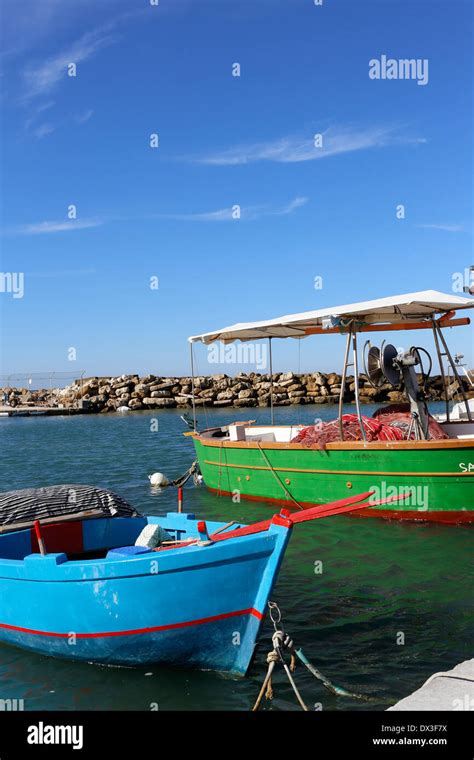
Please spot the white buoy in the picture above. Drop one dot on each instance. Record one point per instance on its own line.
(158, 479)
(123, 409)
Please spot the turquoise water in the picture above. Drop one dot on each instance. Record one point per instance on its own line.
(379, 579)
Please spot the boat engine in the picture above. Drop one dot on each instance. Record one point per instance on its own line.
(388, 365)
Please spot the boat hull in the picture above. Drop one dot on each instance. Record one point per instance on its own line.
(438, 474)
(204, 644)
(199, 606)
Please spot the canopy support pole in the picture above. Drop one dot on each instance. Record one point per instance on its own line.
(192, 386)
(356, 383)
(271, 380)
(351, 339)
(343, 382)
(455, 371)
(441, 367)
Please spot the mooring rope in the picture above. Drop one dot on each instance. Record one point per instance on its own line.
(277, 478)
(282, 641)
(193, 471)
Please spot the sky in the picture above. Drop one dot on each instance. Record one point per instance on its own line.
(170, 169)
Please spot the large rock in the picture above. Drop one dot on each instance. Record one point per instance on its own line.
(226, 395)
(247, 393)
(122, 384)
(396, 397)
(371, 392)
(295, 387)
(162, 386)
(148, 379)
(245, 402)
(263, 386)
(279, 397)
(89, 389)
(296, 394)
(209, 393)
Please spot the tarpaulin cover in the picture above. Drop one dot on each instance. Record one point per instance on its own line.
(29, 504)
(408, 307)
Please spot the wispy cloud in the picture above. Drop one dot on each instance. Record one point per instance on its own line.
(443, 227)
(39, 130)
(43, 130)
(220, 215)
(295, 149)
(42, 78)
(83, 117)
(41, 107)
(49, 227)
(33, 22)
(36, 113)
(236, 212)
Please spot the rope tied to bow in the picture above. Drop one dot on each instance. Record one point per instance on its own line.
(282, 642)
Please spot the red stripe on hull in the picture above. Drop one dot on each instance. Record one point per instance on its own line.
(153, 629)
(448, 517)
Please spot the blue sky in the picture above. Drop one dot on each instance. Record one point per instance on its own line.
(165, 212)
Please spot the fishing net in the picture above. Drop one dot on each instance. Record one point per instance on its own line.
(387, 424)
(398, 415)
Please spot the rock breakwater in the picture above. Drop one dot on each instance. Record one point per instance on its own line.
(108, 394)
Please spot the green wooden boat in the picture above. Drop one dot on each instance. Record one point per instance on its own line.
(263, 463)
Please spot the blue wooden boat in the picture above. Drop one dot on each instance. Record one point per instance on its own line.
(93, 595)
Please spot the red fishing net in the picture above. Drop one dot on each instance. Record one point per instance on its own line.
(391, 423)
(398, 415)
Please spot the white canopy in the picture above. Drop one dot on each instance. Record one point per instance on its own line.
(411, 307)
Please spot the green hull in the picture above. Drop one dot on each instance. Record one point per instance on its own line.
(437, 473)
